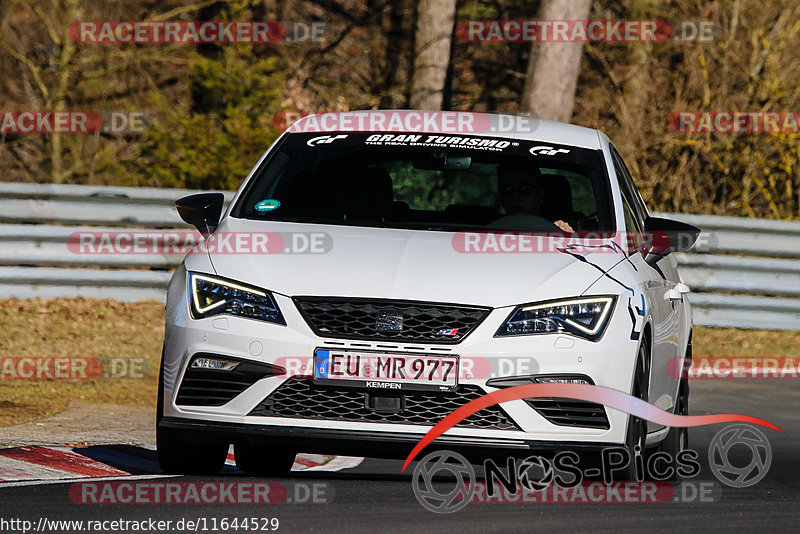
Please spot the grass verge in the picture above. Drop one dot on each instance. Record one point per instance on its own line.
(126, 337)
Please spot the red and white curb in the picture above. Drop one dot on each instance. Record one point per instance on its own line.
(47, 463)
(52, 464)
(318, 462)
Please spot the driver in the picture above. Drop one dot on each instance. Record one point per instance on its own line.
(523, 191)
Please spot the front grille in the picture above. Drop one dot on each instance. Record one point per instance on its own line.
(387, 320)
(568, 412)
(301, 399)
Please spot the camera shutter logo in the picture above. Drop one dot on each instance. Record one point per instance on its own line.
(535, 473)
(719, 453)
(449, 464)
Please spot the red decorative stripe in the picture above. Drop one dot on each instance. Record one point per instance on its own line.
(598, 394)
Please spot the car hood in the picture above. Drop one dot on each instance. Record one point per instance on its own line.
(408, 264)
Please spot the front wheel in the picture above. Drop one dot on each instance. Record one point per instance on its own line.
(264, 460)
(177, 457)
(636, 437)
(677, 439)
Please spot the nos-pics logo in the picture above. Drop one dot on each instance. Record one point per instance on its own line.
(444, 481)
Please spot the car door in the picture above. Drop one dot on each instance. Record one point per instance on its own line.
(658, 281)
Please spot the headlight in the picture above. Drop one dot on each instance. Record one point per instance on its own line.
(583, 316)
(211, 296)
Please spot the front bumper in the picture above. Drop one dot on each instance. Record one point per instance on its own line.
(608, 362)
(394, 445)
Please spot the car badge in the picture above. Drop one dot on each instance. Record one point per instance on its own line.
(447, 332)
(389, 321)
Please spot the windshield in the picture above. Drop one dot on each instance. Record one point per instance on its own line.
(430, 182)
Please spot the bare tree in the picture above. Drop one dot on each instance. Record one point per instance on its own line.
(56, 73)
(52, 93)
(432, 52)
(553, 68)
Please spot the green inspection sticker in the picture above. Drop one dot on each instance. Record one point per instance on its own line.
(268, 205)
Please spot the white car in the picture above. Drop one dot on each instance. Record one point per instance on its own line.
(443, 265)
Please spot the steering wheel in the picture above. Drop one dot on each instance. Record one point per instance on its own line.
(579, 222)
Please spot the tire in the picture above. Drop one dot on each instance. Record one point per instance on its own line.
(263, 460)
(177, 457)
(637, 427)
(677, 439)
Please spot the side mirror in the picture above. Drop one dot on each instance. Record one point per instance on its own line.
(664, 236)
(201, 211)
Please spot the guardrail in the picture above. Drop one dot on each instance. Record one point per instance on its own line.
(146, 207)
(747, 276)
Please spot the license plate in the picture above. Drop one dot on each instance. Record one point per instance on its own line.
(386, 371)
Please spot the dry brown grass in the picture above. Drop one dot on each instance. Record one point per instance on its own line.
(736, 343)
(108, 329)
(103, 329)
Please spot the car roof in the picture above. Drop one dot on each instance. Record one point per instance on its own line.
(490, 124)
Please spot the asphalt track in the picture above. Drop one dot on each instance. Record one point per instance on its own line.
(376, 497)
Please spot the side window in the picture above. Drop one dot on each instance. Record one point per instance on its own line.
(634, 224)
(634, 197)
(631, 222)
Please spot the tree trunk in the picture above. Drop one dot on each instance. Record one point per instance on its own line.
(59, 93)
(432, 52)
(385, 85)
(553, 68)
